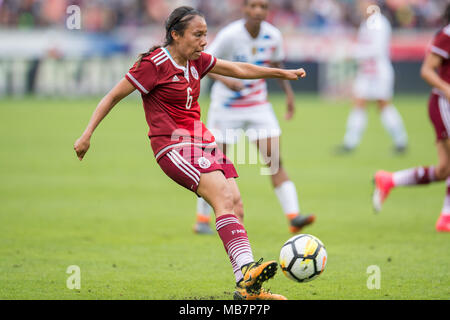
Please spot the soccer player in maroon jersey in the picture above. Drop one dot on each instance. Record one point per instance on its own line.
(436, 71)
(168, 78)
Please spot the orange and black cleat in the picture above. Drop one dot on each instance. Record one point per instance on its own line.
(256, 273)
(298, 222)
(241, 293)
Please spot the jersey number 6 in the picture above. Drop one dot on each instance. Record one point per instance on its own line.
(189, 98)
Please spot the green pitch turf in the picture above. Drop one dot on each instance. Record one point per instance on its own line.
(128, 227)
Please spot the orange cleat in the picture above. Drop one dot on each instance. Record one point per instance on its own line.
(443, 223)
(384, 182)
(242, 294)
(256, 273)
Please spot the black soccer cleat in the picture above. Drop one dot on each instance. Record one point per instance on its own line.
(300, 221)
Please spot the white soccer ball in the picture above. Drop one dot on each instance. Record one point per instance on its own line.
(303, 258)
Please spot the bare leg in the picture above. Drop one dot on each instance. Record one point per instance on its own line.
(238, 206)
(443, 168)
(216, 190)
(202, 225)
(270, 151)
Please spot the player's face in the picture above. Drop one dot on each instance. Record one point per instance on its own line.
(255, 11)
(193, 41)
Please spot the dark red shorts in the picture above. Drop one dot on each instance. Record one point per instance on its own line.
(185, 165)
(439, 112)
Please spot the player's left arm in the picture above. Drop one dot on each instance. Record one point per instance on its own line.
(287, 88)
(244, 70)
(429, 73)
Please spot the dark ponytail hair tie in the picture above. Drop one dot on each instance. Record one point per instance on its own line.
(177, 20)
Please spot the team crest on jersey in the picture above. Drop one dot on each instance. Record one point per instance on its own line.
(194, 73)
(204, 163)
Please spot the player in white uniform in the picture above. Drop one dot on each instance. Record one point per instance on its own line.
(241, 106)
(374, 81)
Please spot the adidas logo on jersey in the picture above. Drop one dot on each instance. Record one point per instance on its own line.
(175, 78)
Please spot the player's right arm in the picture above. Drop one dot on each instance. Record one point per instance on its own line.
(230, 83)
(120, 91)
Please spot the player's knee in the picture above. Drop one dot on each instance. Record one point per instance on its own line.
(442, 171)
(382, 104)
(446, 171)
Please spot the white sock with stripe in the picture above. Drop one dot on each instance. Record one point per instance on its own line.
(235, 240)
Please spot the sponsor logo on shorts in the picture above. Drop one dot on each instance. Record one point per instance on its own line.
(204, 163)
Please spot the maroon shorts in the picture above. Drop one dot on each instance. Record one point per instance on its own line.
(439, 112)
(185, 165)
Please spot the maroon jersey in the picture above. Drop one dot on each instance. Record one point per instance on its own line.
(169, 94)
(441, 46)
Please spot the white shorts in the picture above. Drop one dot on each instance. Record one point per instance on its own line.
(229, 124)
(374, 87)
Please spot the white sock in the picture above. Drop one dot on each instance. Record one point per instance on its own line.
(236, 270)
(356, 125)
(405, 177)
(446, 207)
(287, 195)
(414, 176)
(393, 123)
(203, 209)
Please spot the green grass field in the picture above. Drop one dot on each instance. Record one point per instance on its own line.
(128, 227)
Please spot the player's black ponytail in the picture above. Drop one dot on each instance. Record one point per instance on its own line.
(178, 22)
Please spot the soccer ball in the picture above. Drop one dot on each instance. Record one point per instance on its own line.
(303, 258)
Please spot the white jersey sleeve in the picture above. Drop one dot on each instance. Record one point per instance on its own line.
(278, 54)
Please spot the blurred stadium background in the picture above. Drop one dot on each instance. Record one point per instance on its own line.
(42, 53)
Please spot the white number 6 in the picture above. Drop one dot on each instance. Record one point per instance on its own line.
(189, 98)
